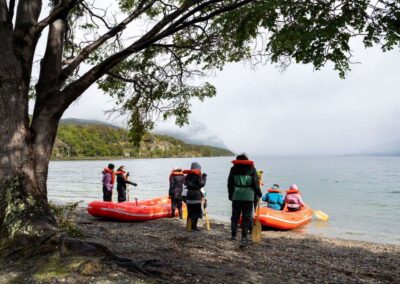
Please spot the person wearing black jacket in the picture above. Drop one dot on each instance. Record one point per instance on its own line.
(243, 186)
(176, 180)
(194, 181)
(122, 180)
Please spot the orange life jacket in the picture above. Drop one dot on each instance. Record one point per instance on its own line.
(195, 172)
(243, 162)
(274, 190)
(292, 191)
(108, 171)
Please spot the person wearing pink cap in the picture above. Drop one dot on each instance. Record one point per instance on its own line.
(293, 199)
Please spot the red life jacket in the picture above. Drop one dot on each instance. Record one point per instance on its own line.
(243, 162)
(108, 171)
(274, 190)
(195, 172)
(177, 173)
(290, 191)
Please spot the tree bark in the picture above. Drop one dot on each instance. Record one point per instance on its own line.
(24, 212)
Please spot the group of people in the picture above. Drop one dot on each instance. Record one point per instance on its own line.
(188, 186)
(244, 190)
(108, 181)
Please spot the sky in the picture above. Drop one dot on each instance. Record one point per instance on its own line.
(299, 111)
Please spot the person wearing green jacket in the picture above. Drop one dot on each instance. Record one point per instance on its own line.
(243, 186)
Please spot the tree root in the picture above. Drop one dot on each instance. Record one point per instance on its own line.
(87, 247)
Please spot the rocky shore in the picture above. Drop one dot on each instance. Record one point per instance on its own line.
(210, 257)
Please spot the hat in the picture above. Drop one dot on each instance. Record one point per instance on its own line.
(176, 168)
(294, 187)
(111, 166)
(195, 166)
(275, 186)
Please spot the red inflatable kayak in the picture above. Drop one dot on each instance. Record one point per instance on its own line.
(285, 220)
(142, 210)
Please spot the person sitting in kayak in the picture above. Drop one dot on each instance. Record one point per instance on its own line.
(176, 180)
(274, 198)
(122, 180)
(194, 181)
(293, 199)
(108, 182)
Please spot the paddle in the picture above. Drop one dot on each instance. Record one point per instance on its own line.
(321, 215)
(257, 228)
(208, 227)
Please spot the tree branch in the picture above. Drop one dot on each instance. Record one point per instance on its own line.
(86, 51)
(63, 7)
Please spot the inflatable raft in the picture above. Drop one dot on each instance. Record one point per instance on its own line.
(142, 210)
(284, 220)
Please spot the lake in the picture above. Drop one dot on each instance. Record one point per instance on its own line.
(361, 195)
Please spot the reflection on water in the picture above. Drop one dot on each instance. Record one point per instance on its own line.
(359, 194)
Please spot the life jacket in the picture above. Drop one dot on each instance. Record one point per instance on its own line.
(195, 172)
(108, 171)
(290, 191)
(243, 162)
(274, 190)
(174, 173)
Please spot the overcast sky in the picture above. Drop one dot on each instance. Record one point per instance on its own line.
(298, 111)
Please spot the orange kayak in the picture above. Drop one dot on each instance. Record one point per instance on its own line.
(142, 210)
(284, 220)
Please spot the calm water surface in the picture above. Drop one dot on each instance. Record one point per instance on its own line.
(360, 194)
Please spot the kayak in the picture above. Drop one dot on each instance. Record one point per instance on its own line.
(142, 210)
(284, 220)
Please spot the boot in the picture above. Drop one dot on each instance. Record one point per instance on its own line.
(180, 212)
(194, 224)
(173, 213)
(233, 231)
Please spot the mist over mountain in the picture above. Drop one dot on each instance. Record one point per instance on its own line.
(391, 148)
(193, 133)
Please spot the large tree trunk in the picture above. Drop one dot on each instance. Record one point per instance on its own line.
(24, 211)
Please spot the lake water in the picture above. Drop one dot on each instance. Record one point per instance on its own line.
(361, 195)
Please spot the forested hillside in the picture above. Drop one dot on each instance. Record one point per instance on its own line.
(77, 139)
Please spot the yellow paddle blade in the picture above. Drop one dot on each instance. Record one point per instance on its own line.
(208, 225)
(184, 213)
(256, 233)
(321, 215)
(189, 225)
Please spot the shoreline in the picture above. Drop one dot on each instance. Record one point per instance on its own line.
(210, 257)
(128, 158)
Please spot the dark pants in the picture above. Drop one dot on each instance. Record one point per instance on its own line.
(194, 213)
(107, 195)
(176, 203)
(244, 208)
(121, 194)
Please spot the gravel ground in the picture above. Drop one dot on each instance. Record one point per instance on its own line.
(210, 257)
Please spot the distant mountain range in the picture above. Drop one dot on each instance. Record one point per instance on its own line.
(81, 139)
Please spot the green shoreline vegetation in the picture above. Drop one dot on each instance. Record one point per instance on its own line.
(92, 141)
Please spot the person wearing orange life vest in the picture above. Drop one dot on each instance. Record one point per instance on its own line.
(108, 182)
(176, 180)
(195, 180)
(243, 186)
(293, 199)
(122, 181)
(274, 198)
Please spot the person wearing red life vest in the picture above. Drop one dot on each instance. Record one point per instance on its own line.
(293, 199)
(122, 181)
(195, 180)
(243, 186)
(176, 180)
(108, 181)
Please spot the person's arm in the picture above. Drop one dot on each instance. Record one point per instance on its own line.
(231, 185)
(281, 201)
(203, 180)
(265, 197)
(301, 201)
(129, 182)
(256, 184)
